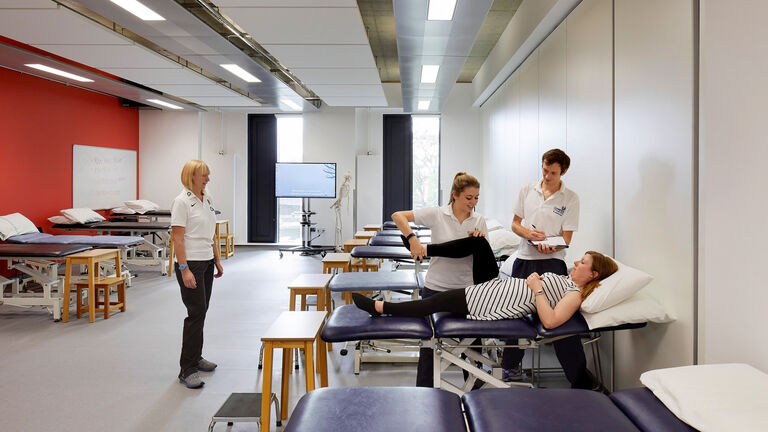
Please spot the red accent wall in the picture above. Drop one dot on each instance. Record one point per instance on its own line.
(40, 120)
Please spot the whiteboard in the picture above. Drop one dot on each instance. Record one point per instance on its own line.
(102, 177)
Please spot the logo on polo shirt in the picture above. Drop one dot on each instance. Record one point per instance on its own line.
(559, 210)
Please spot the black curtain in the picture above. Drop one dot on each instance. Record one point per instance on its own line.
(262, 155)
(398, 164)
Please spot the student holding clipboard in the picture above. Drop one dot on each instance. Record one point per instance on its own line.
(547, 214)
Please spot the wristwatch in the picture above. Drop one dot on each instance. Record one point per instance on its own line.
(540, 291)
(183, 266)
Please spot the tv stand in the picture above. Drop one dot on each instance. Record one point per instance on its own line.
(306, 247)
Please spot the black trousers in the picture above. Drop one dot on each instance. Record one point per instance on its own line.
(484, 268)
(569, 351)
(196, 300)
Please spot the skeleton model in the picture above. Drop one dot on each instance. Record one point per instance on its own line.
(343, 193)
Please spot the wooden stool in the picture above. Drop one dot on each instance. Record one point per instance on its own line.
(364, 264)
(336, 261)
(365, 234)
(372, 227)
(308, 284)
(222, 233)
(353, 243)
(292, 329)
(104, 306)
(90, 258)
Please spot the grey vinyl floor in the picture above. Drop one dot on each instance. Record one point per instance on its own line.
(120, 374)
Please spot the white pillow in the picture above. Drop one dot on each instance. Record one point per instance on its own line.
(15, 224)
(142, 206)
(616, 288)
(636, 309)
(82, 215)
(493, 225)
(123, 210)
(61, 219)
(503, 240)
(506, 268)
(715, 397)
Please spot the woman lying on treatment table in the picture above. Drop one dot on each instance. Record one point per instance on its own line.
(555, 298)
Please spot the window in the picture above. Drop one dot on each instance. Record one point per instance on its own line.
(426, 161)
(290, 144)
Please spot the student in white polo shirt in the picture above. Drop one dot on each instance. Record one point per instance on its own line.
(547, 208)
(193, 224)
(455, 220)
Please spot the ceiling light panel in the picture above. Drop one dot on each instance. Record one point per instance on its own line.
(58, 72)
(164, 104)
(139, 9)
(423, 105)
(429, 73)
(241, 73)
(441, 10)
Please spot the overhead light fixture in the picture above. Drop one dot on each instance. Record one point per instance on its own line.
(165, 104)
(240, 72)
(429, 73)
(423, 105)
(441, 10)
(138, 9)
(54, 71)
(291, 104)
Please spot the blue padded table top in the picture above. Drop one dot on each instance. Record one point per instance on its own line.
(577, 325)
(392, 225)
(95, 241)
(52, 251)
(348, 323)
(647, 412)
(377, 409)
(373, 281)
(118, 226)
(447, 325)
(543, 410)
(394, 241)
(396, 233)
(386, 252)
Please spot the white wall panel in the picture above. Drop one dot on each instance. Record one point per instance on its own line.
(459, 139)
(654, 173)
(167, 140)
(552, 100)
(733, 152)
(590, 125)
(529, 164)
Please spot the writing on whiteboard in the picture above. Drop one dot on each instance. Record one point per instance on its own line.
(102, 177)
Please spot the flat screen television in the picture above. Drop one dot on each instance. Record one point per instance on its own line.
(305, 180)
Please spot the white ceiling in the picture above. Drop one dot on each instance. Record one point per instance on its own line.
(323, 42)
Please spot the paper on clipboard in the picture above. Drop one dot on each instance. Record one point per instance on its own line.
(556, 242)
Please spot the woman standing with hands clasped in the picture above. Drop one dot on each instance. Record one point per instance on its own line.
(193, 224)
(453, 221)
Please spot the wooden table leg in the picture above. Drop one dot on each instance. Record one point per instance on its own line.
(309, 367)
(303, 301)
(266, 386)
(322, 361)
(292, 304)
(287, 366)
(92, 291)
(65, 291)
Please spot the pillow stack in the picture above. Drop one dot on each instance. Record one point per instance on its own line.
(141, 206)
(617, 301)
(82, 215)
(15, 224)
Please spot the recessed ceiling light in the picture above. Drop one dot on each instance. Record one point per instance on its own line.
(240, 72)
(49, 69)
(291, 104)
(429, 73)
(165, 104)
(138, 9)
(441, 10)
(423, 105)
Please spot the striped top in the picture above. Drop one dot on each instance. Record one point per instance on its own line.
(511, 298)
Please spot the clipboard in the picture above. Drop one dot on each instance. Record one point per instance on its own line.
(555, 242)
